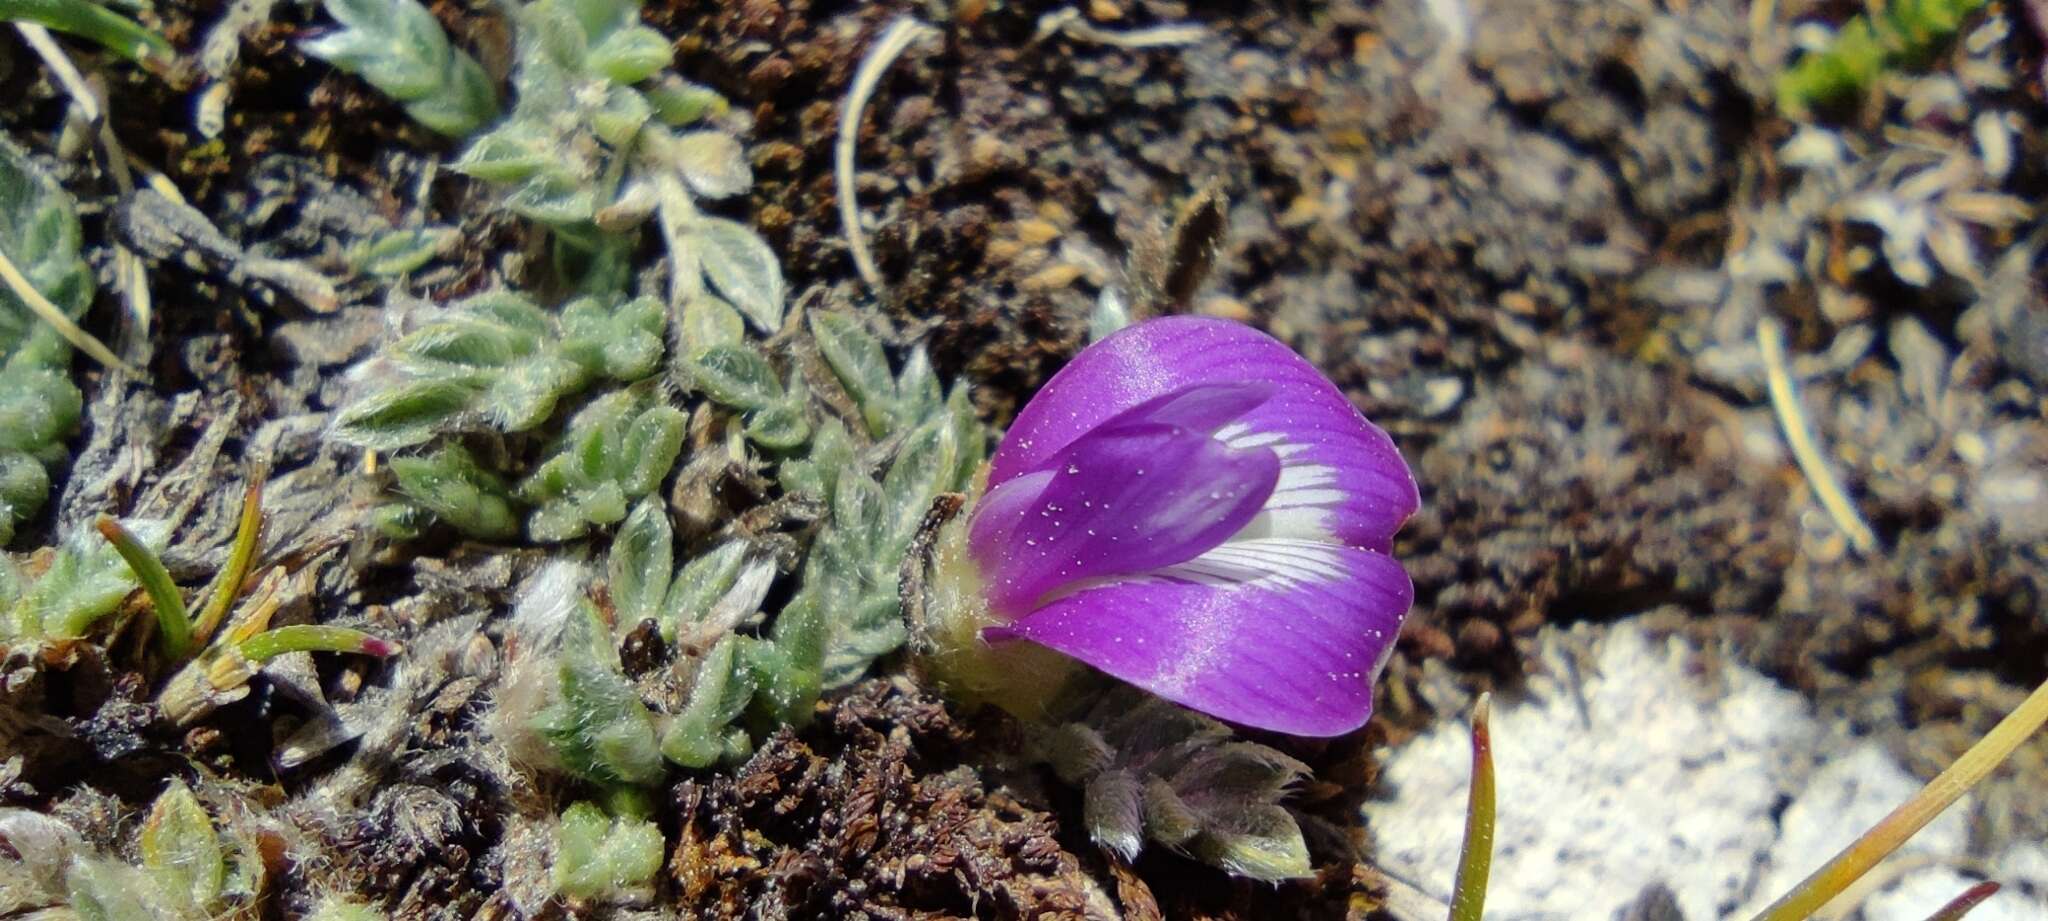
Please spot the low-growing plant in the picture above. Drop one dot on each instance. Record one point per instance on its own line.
(1151, 770)
(615, 451)
(399, 48)
(600, 858)
(187, 870)
(593, 148)
(63, 592)
(1895, 33)
(217, 653)
(39, 405)
(499, 362)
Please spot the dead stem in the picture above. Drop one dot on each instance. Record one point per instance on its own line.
(1792, 419)
(901, 34)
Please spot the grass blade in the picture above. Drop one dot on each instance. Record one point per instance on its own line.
(241, 555)
(89, 20)
(174, 626)
(1475, 861)
(1886, 836)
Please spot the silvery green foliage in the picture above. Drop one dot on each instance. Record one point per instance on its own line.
(700, 607)
(615, 451)
(605, 859)
(85, 581)
(719, 362)
(1153, 770)
(400, 252)
(399, 48)
(596, 724)
(39, 405)
(187, 872)
(448, 485)
(594, 145)
(850, 576)
(496, 361)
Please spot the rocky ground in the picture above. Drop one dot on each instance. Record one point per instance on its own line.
(1546, 244)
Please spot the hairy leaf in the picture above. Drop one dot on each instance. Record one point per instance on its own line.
(739, 264)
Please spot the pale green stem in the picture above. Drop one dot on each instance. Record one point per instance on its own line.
(313, 638)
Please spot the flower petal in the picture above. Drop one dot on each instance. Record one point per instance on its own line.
(1278, 634)
(1342, 478)
(1125, 498)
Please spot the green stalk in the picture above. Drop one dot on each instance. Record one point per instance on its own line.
(241, 555)
(1475, 861)
(1886, 836)
(85, 19)
(1961, 905)
(174, 626)
(313, 638)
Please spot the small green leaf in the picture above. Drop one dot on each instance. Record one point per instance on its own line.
(1475, 859)
(313, 638)
(523, 395)
(708, 322)
(85, 582)
(641, 562)
(741, 266)
(679, 103)
(700, 583)
(787, 671)
(724, 686)
(631, 55)
(817, 474)
(623, 343)
(406, 414)
(601, 859)
(781, 427)
(553, 197)
(174, 623)
(923, 469)
(597, 725)
(618, 120)
(856, 358)
(180, 847)
(713, 163)
(96, 23)
(398, 47)
(400, 252)
(917, 391)
(736, 376)
(512, 153)
(453, 486)
(651, 448)
(970, 440)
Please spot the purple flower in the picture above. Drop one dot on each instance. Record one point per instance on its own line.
(1191, 507)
